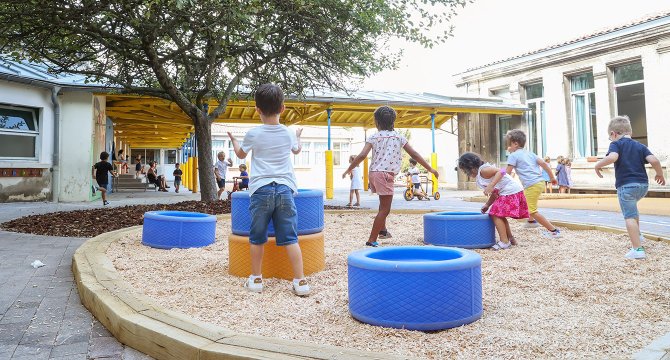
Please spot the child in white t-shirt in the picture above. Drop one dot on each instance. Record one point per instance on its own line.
(414, 172)
(271, 186)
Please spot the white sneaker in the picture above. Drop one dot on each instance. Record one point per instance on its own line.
(531, 225)
(636, 254)
(254, 284)
(501, 246)
(301, 288)
(552, 234)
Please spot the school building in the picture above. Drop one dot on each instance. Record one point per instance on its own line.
(572, 90)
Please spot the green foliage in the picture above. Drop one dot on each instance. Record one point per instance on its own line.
(189, 51)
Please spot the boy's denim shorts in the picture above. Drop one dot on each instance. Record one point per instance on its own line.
(629, 195)
(273, 202)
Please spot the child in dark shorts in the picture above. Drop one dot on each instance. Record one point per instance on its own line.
(100, 170)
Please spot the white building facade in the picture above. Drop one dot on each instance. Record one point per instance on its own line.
(574, 89)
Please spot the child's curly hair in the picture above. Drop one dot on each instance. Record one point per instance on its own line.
(385, 118)
(470, 162)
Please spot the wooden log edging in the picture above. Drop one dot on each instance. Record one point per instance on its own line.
(137, 321)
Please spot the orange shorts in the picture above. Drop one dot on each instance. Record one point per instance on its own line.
(381, 182)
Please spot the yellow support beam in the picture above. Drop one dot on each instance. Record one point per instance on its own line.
(194, 174)
(329, 174)
(433, 164)
(366, 174)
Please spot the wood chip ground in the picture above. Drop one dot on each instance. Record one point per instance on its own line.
(572, 298)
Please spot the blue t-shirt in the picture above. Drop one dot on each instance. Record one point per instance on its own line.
(245, 181)
(525, 163)
(629, 168)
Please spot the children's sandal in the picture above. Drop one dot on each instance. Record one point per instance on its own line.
(500, 246)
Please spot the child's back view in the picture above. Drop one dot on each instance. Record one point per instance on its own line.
(271, 186)
(632, 182)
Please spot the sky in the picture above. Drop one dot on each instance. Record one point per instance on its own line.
(489, 30)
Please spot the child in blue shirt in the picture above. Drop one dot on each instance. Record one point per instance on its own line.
(528, 166)
(632, 182)
(244, 175)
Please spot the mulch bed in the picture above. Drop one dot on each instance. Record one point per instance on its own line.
(93, 222)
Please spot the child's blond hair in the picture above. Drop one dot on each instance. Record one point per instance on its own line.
(560, 159)
(620, 125)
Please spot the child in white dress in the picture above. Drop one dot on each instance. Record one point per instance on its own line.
(356, 184)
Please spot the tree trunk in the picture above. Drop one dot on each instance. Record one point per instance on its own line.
(206, 181)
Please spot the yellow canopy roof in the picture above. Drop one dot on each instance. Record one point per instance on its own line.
(142, 121)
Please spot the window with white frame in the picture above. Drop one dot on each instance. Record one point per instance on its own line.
(19, 131)
(319, 153)
(629, 93)
(505, 124)
(303, 159)
(582, 91)
(535, 120)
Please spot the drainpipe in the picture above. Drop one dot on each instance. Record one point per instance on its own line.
(55, 166)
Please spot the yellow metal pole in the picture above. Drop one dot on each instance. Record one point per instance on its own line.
(184, 178)
(433, 164)
(329, 174)
(194, 173)
(366, 174)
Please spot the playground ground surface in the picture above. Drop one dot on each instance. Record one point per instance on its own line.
(576, 297)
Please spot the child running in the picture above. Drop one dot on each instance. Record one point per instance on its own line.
(356, 184)
(100, 170)
(632, 182)
(386, 146)
(506, 197)
(528, 167)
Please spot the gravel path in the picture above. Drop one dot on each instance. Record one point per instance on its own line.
(572, 298)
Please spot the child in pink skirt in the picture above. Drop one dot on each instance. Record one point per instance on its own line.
(506, 197)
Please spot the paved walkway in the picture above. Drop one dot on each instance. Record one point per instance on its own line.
(41, 316)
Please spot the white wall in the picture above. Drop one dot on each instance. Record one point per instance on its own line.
(76, 151)
(30, 188)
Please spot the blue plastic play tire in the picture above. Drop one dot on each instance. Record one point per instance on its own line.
(309, 204)
(469, 230)
(178, 229)
(415, 287)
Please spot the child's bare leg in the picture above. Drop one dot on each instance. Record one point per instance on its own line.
(295, 257)
(103, 192)
(633, 227)
(509, 232)
(351, 196)
(256, 259)
(543, 221)
(358, 197)
(501, 228)
(380, 220)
